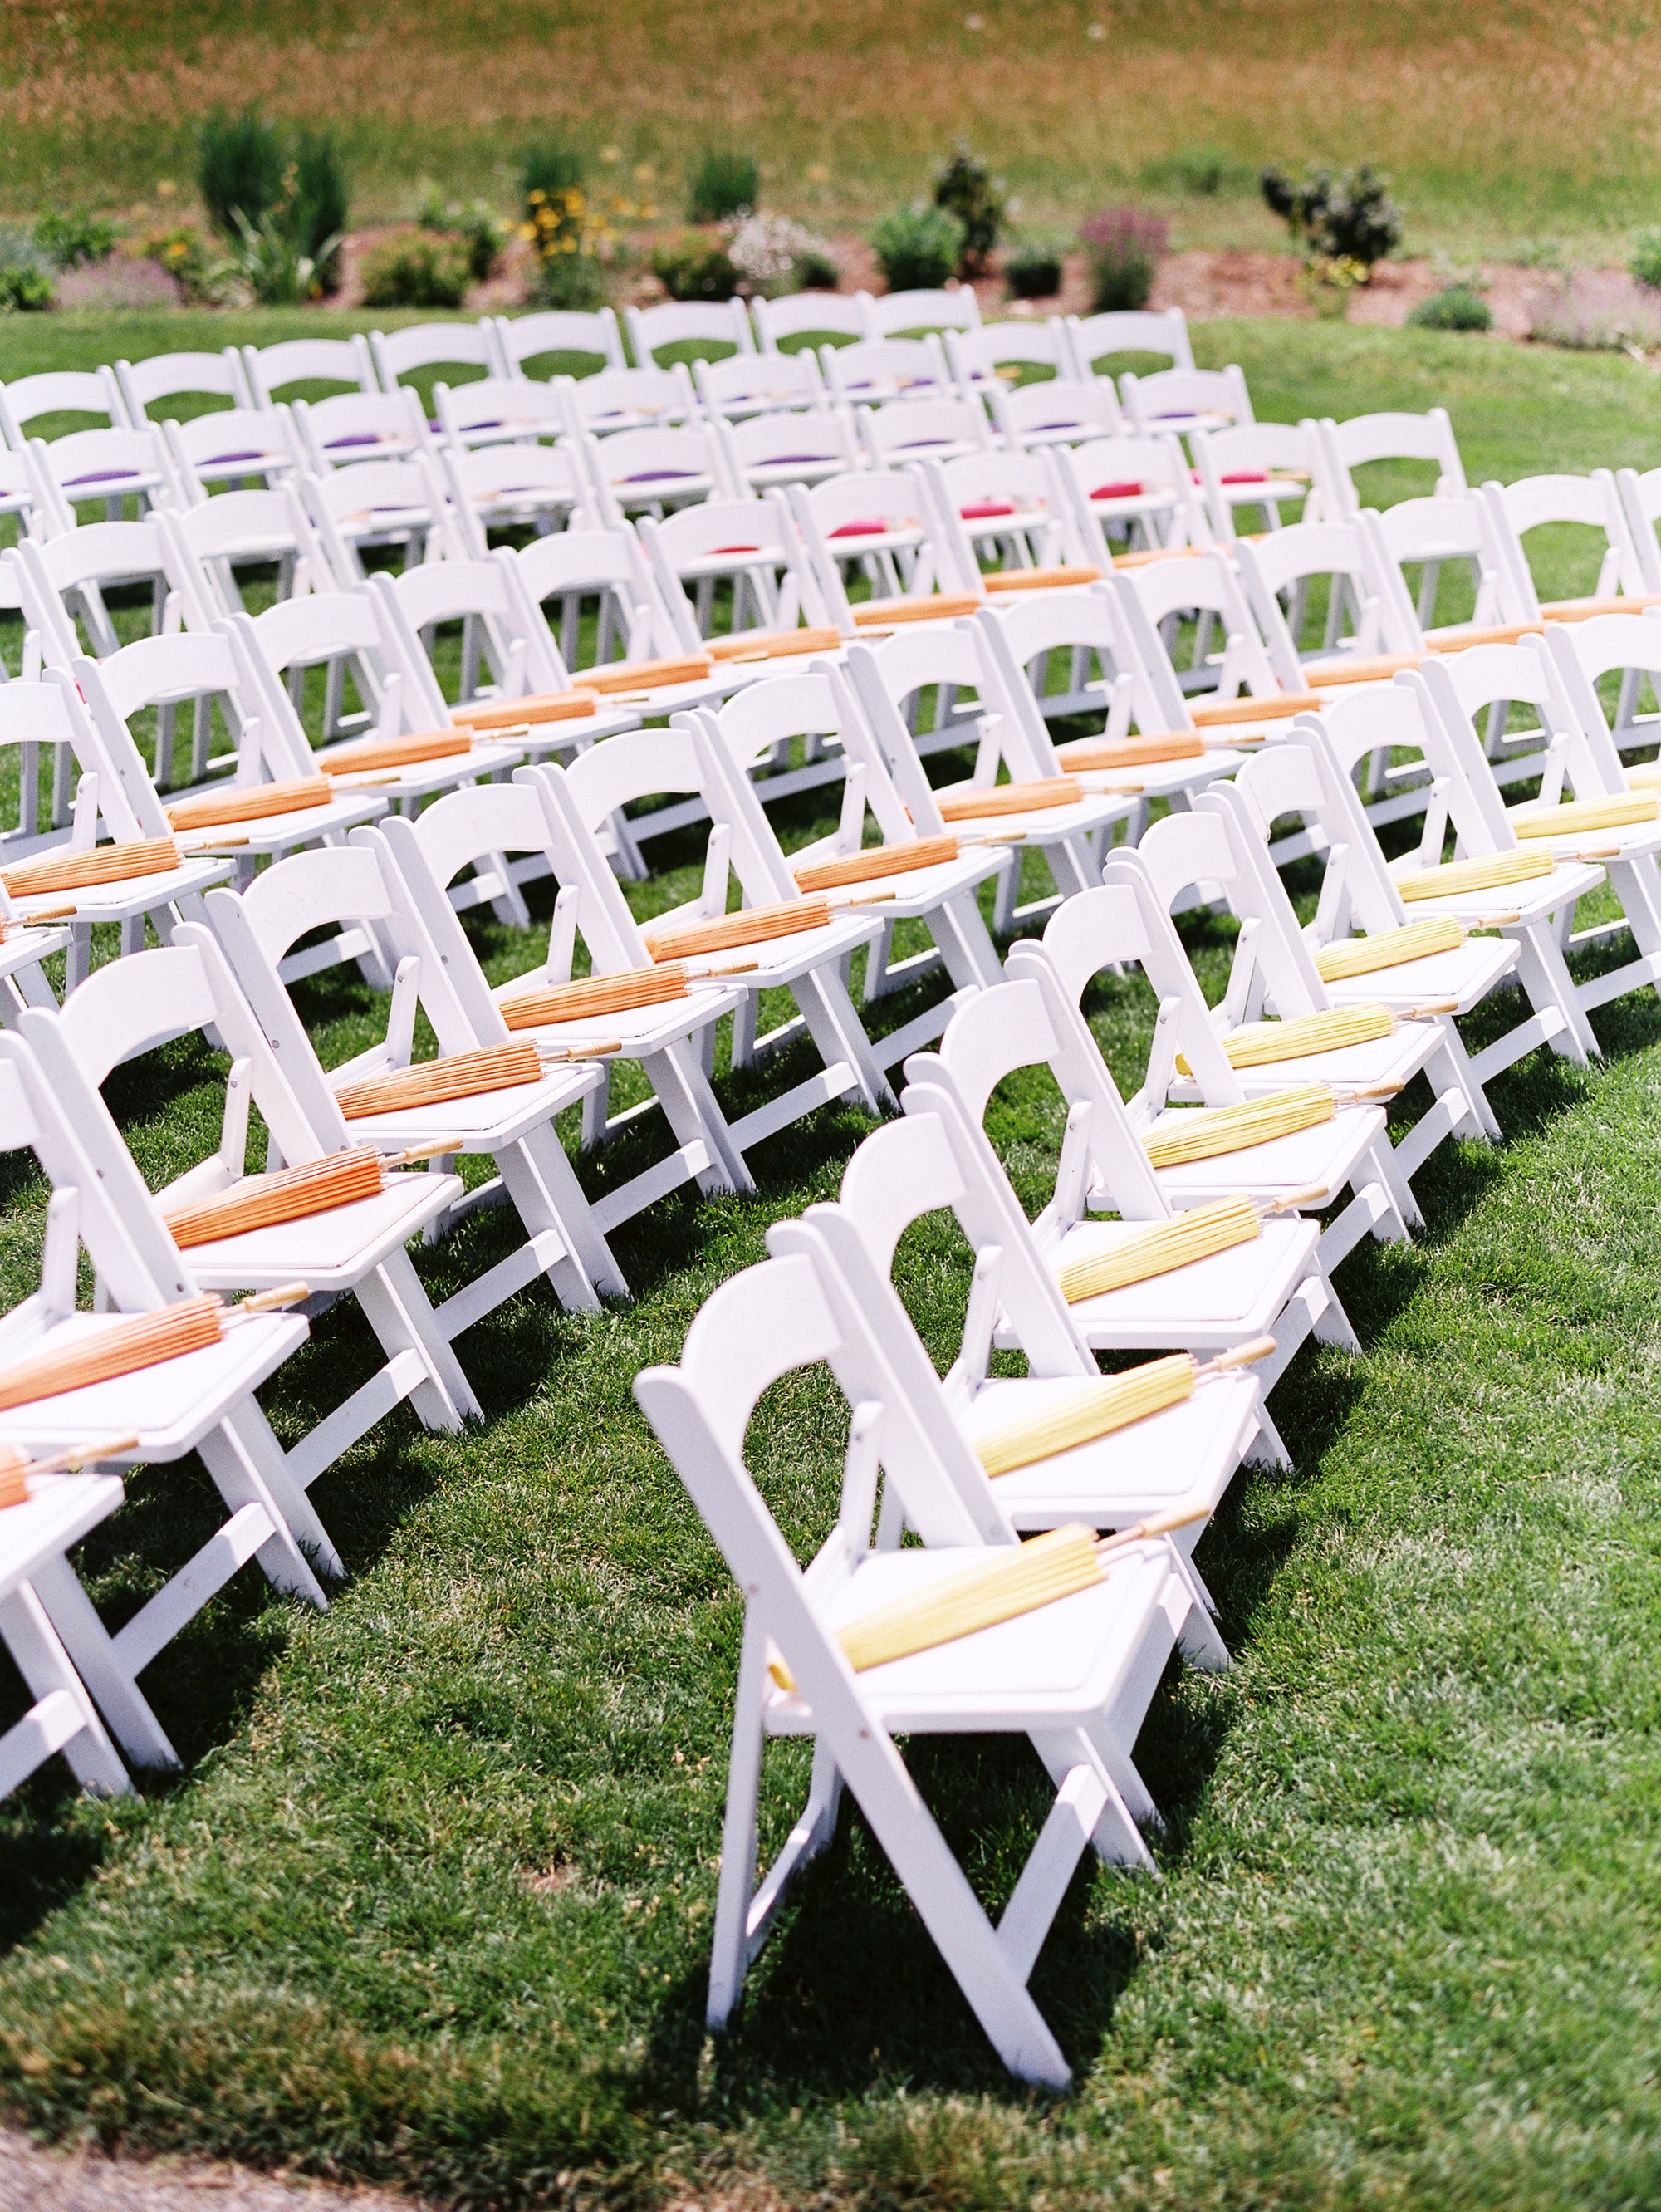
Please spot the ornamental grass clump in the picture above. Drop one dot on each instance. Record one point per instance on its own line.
(917, 247)
(1123, 249)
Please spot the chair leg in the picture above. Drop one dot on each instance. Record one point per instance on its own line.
(694, 1115)
(124, 1704)
(39, 1655)
(729, 1951)
(398, 1310)
(1544, 975)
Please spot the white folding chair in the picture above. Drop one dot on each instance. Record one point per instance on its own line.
(681, 762)
(1426, 534)
(274, 369)
(874, 369)
(1591, 501)
(804, 447)
(1277, 574)
(747, 384)
(1256, 465)
(201, 1401)
(760, 1325)
(1183, 400)
(1137, 330)
(27, 400)
(251, 529)
(398, 502)
(466, 830)
(1126, 491)
(888, 680)
(1005, 502)
(514, 1125)
(1066, 411)
(687, 322)
(646, 471)
(1162, 595)
(607, 570)
(35, 1538)
(520, 338)
(628, 399)
(496, 411)
(916, 429)
(1181, 1460)
(954, 307)
(756, 729)
(219, 375)
(1364, 439)
(114, 466)
(231, 446)
(62, 581)
(984, 355)
(750, 544)
(510, 487)
(882, 525)
(813, 313)
(1640, 495)
(35, 716)
(398, 355)
(350, 428)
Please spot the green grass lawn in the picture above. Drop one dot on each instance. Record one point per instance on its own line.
(431, 1900)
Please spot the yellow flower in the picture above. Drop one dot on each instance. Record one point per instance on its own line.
(536, 199)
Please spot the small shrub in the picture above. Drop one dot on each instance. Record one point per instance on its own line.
(966, 190)
(817, 269)
(1200, 171)
(476, 221)
(316, 204)
(1645, 263)
(73, 238)
(696, 268)
(417, 269)
(1032, 269)
(725, 184)
(917, 247)
(1455, 307)
(573, 282)
(770, 254)
(1351, 217)
(1596, 310)
(550, 165)
(181, 251)
(240, 164)
(1124, 249)
(26, 275)
(269, 265)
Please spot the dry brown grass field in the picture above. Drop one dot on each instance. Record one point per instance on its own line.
(1501, 123)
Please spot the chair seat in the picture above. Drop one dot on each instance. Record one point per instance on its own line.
(330, 1251)
(643, 1030)
(485, 1122)
(1633, 840)
(120, 901)
(1395, 1059)
(422, 779)
(170, 1407)
(58, 1511)
(1466, 975)
(270, 834)
(1330, 1153)
(1534, 899)
(1185, 1457)
(1043, 825)
(1067, 1661)
(919, 891)
(1159, 778)
(1225, 1299)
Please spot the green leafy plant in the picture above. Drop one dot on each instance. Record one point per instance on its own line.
(696, 268)
(315, 204)
(486, 232)
(724, 183)
(240, 164)
(1645, 260)
(816, 268)
(571, 234)
(1202, 171)
(1032, 269)
(549, 165)
(1123, 249)
(181, 251)
(269, 263)
(72, 237)
(1350, 217)
(571, 281)
(26, 275)
(917, 247)
(417, 269)
(967, 190)
(1455, 307)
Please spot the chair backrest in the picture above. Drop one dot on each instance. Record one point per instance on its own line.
(249, 526)
(87, 465)
(640, 466)
(1142, 330)
(867, 513)
(51, 712)
(887, 678)
(789, 448)
(1453, 688)
(1285, 561)
(1390, 436)
(506, 486)
(627, 399)
(1641, 502)
(842, 314)
(497, 407)
(687, 322)
(354, 427)
(1207, 582)
(574, 565)
(25, 399)
(438, 592)
(753, 384)
(220, 375)
(397, 354)
(520, 338)
(375, 499)
(1186, 398)
(1246, 455)
(231, 441)
(955, 307)
(1019, 634)
(295, 635)
(1122, 477)
(996, 483)
(978, 352)
(61, 574)
(1582, 654)
(1592, 500)
(910, 429)
(882, 368)
(272, 368)
(695, 542)
(1066, 410)
(1311, 775)
(1425, 533)
(822, 703)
